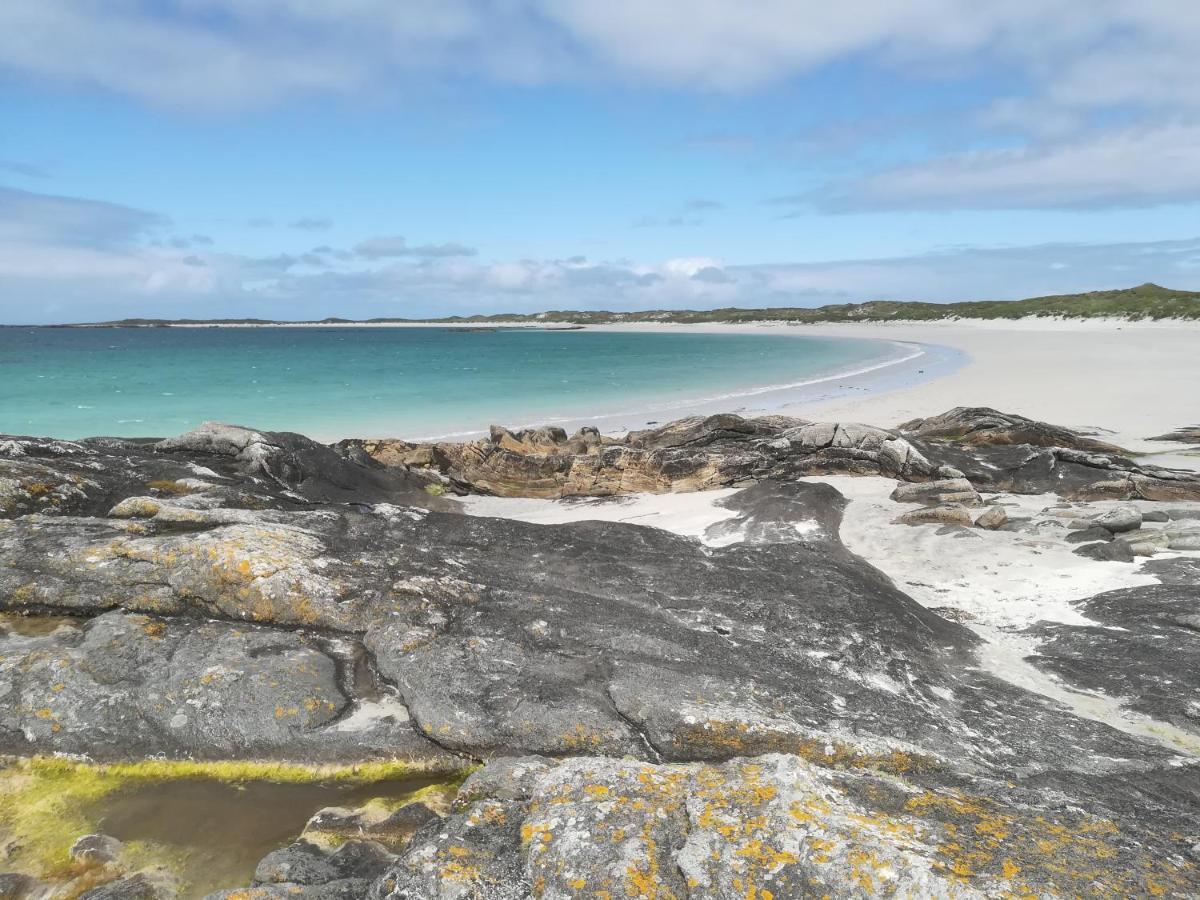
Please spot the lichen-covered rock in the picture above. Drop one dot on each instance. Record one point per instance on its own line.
(124, 684)
(778, 826)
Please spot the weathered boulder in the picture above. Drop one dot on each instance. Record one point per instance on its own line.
(306, 871)
(983, 426)
(1110, 551)
(1088, 534)
(938, 492)
(1120, 519)
(1145, 543)
(95, 849)
(992, 518)
(945, 514)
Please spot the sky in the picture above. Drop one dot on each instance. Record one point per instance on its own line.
(300, 159)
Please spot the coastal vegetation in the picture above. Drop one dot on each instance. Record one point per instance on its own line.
(1146, 301)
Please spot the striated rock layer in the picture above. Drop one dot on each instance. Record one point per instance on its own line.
(994, 451)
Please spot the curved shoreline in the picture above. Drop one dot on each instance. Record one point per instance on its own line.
(921, 362)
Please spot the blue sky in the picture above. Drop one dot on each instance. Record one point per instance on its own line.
(296, 159)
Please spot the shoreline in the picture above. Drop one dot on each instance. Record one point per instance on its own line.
(1126, 381)
(920, 362)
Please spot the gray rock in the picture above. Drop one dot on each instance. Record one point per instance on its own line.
(938, 493)
(778, 826)
(15, 886)
(730, 685)
(1111, 551)
(1145, 543)
(1183, 539)
(1089, 534)
(983, 426)
(132, 887)
(1156, 515)
(306, 871)
(96, 849)
(1152, 631)
(992, 518)
(1120, 519)
(947, 514)
(124, 682)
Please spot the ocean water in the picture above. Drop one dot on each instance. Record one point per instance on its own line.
(373, 382)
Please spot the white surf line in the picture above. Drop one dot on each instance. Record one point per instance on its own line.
(910, 350)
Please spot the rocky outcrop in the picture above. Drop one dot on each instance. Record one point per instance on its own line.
(124, 685)
(981, 426)
(765, 709)
(1189, 435)
(1155, 633)
(691, 454)
(993, 451)
(778, 826)
(621, 640)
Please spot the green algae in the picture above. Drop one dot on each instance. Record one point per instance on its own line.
(46, 803)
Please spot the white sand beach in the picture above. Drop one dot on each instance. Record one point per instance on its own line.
(1134, 380)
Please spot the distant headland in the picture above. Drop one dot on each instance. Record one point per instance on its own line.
(1146, 301)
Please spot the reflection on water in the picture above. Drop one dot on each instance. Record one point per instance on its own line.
(35, 626)
(218, 831)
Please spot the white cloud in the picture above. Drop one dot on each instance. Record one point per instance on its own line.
(396, 246)
(45, 218)
(1130, 167)
(238, 52)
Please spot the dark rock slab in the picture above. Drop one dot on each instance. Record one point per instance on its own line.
(1146, 650)
(1107, 551)
(124, 685)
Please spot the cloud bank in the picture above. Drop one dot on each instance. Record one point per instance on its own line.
(67, 259)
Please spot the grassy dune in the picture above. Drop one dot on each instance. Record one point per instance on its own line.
(1146, 301)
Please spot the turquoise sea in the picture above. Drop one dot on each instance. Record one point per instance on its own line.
(406, 382)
